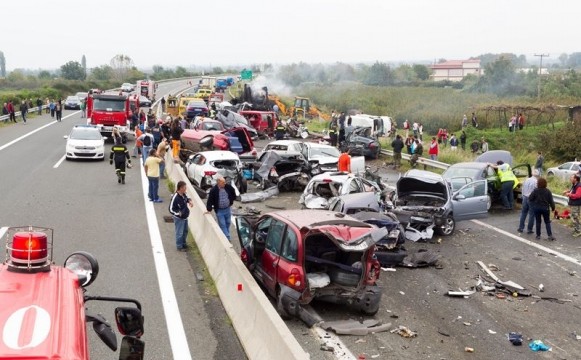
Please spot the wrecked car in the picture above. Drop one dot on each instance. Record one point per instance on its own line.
(323, 187)
(237, 140)
(360, 142)
(203, 169)
(426, 202)
(302, 255)
(365, 207)
(288, 171)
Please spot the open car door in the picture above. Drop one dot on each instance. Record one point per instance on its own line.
(471, 201)
(244, 228)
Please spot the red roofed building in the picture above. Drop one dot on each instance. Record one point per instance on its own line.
(455, 70)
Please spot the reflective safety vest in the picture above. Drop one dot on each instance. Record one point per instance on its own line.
(507, 175)
(280, 128)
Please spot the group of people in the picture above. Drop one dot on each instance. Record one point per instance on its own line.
(25, 105)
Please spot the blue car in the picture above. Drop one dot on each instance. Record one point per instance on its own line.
(195, 108)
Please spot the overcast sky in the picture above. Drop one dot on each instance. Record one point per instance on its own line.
(48, 33)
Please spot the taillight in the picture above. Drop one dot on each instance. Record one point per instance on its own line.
(254, 153)
(374, 270)
(327, 181)
(29, 247)
(294, 278)
(209, 173)
(372, 146)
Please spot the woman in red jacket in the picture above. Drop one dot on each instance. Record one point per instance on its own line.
(433, 150)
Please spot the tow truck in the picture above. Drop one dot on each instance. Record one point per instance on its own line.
(43, 312)
(110, 110)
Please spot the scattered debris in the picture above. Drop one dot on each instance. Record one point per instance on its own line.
(491, 332)
(259, 196)
(404, 332)
(199, 276)
(414, 235)
(358, 341)
(538, 345)
(401, 292)
(466, 267)
(421, 258)
(354, 327)
(493, 267)
(443, 333)
(516, 258)
(460, 293)
(388, 269)
(500, 296)
(275, 207)
(509, 286)
(375, 356)
(467, 323)
(572, 273)
(327, 348)
(515, 338)
(541, 287)
(469, 349)
(575, 336)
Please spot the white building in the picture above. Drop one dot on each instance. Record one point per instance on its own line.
(455, 70)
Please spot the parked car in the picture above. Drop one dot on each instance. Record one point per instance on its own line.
(144, 101)
(302, 255)
(204, 168)
(564, 171)
(365, 207)
(425, 201)
(85, 142)
(127, 87)
(467, 172)
(72, 103)
(82, 95)
(325, 186)
(196, 107)
(360, 142)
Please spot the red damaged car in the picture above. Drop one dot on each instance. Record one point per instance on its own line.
(236, 140)
(42, 305)
(303, 255)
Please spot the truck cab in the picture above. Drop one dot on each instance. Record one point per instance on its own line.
(146, 88)
(107, 111)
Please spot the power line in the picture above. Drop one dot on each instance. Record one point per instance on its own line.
(540, 73)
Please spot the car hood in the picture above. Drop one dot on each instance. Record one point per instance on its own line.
(412, 185)
(322, 159)
(348, 235)
(95, 143)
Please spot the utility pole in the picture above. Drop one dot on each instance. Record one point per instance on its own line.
(540, 73)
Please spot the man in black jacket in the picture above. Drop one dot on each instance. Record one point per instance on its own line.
(397, 145)
(178, 207)
(120, 155)
(221, 198)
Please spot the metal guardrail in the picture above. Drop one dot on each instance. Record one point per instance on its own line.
(31, 110)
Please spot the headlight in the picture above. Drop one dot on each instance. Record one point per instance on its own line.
(84, 265)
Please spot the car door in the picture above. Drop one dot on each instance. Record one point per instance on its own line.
(471, 201)
(271, 255)
(197, 167)
(244, 228)
(522, 172)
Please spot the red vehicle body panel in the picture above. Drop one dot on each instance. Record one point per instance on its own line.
(259, 120)
(191, 139)
(42, 315)
(108, 119)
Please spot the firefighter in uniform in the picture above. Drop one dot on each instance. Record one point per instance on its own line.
(120, 155)
(279, 130)
(333, 132)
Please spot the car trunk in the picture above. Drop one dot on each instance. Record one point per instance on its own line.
(336, 257)
(228, 169)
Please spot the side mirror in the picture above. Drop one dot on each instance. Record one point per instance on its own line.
(129, 321)
(131, 349)
(459, 197)
(66, 136)
(103, 330)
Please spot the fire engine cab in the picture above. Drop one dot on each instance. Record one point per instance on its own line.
(111, 110)
(42, 312)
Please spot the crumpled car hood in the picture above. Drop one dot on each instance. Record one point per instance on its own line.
(412, 186)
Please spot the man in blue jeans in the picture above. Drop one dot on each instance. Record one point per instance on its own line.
(178, 207)
(527, 210)
(221, 198)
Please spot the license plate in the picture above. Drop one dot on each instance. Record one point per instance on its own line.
(108, 128)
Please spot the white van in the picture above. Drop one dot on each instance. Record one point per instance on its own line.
(380, 125)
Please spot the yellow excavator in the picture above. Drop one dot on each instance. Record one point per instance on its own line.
(303, 108)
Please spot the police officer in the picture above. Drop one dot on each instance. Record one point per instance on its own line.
(120, 155)
(279, 130)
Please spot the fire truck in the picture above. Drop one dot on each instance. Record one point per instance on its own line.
(146, 88)
(110, 110)
(43, 313)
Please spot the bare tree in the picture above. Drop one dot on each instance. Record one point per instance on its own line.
(121, 65)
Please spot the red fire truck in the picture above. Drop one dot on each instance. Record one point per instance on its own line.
(146, 88)
(42, 312)
(110, 110)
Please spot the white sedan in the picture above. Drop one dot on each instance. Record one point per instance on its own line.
(203, 169)
(85, 142)
(564, 171)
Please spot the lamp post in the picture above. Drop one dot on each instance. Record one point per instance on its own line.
(540, 73)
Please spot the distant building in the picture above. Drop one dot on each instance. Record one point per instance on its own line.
(455, 70)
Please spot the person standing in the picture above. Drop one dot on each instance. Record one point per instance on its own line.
(179, 209)
(162, 104)
(39, 105)
(574, 195)
(527, 210)
(279, 130)
(341, 127)
(120, 156)
(147, 143)
(161, 150)
(464, 122)
(398, 146)
(12, 111)
(47, 108)
(463, 140)
(344, 162)
(58, 109)
(453, 143)
(508, 182)
(152, 171)
(521, 121)
(421, 131)
(539, 163)
(484, 145)
(83, 108)
(406, 127)
(409, 141)
(176, 135)
(23, 110)
(474, 120)
(333, 132)
(138, 143)
(5, 112)
(417, 150)
(541, 199)
(220, 199)
(52, 107)
(433, 150)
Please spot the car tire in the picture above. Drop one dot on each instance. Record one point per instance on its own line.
(488, 202)
(344, 278)
(550, 173)
(448, 227)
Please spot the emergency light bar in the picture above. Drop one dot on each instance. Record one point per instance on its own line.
(28, 248)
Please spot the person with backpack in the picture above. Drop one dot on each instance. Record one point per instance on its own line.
(147, 143)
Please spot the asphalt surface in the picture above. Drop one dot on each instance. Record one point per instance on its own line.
(445, 326)
(90, 211)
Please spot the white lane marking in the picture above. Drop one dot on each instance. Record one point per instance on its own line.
(34, 131)
(340, 350)
(173, 319)
(3, 231)
(58, 163)
(531, 243)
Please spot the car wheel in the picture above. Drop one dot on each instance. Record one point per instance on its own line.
(447, 228)
(488, 202)
(344, 278)
(550, 173)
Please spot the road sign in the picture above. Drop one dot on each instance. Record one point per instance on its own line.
(246, 75)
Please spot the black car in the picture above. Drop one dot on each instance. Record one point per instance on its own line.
(144, 101)
(73, 103)
(360, 142)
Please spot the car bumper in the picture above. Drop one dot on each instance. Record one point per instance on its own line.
(96, 155)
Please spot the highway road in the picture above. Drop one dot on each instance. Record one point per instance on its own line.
(89, 210)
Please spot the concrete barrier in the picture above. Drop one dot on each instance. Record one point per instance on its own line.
(260, 329)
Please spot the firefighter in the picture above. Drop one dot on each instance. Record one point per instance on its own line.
(333, 133)
(120, 155)
(279, 130)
